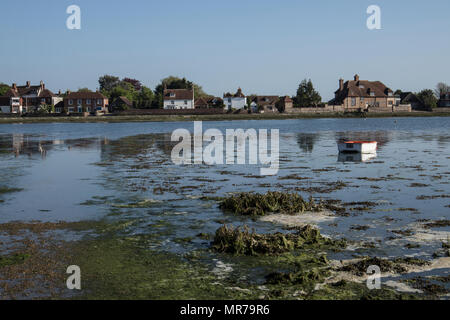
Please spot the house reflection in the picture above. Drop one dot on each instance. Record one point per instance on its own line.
(306, 141)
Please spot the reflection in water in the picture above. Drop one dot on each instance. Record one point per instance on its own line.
(22, 144)
(306, 141)
(356, 157)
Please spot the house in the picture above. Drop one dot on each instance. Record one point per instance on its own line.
(413, 100)
(361, 95)
(27, 98)
(264, 104)
(120, 103)
(178, 98)
(84, 102)
(235, 101)
(444, 100)
(208, 102)
(285, 104)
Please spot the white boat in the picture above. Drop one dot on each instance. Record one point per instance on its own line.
(358, 146)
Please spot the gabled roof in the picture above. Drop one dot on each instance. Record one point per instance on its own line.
(265, 100)
(178, 94)
(362, 88)
(124, 100)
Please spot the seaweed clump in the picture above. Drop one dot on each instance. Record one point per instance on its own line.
(242, 241)
(13, 259)
(253, 204)
(397, 265)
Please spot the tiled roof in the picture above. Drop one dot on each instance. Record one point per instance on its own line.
(85, 95)
(178, 94)
(363, 88)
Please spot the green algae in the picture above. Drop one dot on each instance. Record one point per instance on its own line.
(242, 241)
(118, 268)
(398, 265)
(13, 259)
(253, 204)
(4, 190)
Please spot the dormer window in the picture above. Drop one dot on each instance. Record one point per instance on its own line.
(172, 95)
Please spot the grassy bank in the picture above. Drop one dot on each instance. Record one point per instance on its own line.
(221, 117)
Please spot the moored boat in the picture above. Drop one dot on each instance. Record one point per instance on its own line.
(358, 146)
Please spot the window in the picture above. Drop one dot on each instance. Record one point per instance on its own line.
(99, 102)
(372, 94)
(58, 110)
(88, 101)
(353, 102)
(362, 98)
(43, 100)
(71, 109)
(390, 103)
(390, 94)
(172, 102)
(70, 102)
(79, 101)
(185, 101)
(172, 95)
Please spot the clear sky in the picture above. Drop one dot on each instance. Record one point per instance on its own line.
(264, 46)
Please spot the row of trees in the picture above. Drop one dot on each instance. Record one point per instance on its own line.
(142, 96)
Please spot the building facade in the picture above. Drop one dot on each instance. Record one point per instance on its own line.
(362, 95)
(444, 101)
(78, 102)
(235, 101)
(178, 99)
(27, 98)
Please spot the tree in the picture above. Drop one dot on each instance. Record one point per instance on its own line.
(84, 90)
(135, 83)
(124, 89)
(441, 88)
(176, 83)
(145, 98)
(428, 98)
(398, 92)
(107, 83)
(307, 96)
(3, 89)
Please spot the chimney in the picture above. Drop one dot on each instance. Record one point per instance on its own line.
(341, 84)
(59, 92)
(42, 85)
(14, 86)
(68, 91)
(356, 77)
(28, 84)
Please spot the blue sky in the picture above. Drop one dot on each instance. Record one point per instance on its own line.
(266, 47)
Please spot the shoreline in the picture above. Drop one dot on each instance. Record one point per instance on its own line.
(218, 117)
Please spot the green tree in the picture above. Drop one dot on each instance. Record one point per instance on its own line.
(176, 83)
(108, 83)
(307, 96)
(145, 98)
(124, 89)
(428, 98)
(3, 89)
(84, 90)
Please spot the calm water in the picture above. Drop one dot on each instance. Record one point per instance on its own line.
(80, 171)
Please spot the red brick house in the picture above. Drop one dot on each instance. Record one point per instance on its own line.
(27, 98)
(77, 102)
(359, 94)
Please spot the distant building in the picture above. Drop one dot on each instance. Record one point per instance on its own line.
(178, 98)
(444, 100)
(285, 104)
(264, 104)
(77, 102)
(359, 94)
(208, 102)
(27, 98)
(412, 99)
(120, 103)
(235, 101)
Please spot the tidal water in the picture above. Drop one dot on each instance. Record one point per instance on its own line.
(85, 171)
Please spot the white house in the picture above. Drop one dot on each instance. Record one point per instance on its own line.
(235, 101)
(179, 99)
